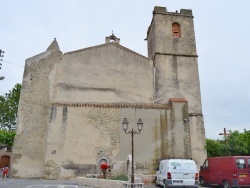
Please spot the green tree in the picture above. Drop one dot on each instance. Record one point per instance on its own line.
(236, 143)
(7, 138)
(9, 107)
(214, 147)
(246, 138)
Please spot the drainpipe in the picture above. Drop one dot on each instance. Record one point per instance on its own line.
(154, 83)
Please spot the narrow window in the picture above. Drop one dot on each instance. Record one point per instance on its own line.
(176, 29)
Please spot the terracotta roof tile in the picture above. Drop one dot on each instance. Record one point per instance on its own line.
(113, 105)
(177, 100)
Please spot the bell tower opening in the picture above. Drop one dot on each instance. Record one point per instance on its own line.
(176, 29)
(112, 38)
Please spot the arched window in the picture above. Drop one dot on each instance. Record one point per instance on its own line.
(176, 29)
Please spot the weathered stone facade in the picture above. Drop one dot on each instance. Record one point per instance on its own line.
(72, 104)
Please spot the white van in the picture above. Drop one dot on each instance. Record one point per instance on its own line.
(177, 173)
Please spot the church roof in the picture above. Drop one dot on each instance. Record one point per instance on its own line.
(107, 44)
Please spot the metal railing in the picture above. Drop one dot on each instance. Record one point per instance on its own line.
(133, 185)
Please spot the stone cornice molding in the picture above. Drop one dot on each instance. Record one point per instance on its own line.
(113, 105)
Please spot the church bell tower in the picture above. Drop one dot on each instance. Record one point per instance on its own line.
(172, 47)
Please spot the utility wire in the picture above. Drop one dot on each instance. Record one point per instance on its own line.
(13, 63)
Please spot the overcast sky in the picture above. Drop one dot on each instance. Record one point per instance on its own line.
(222, 29)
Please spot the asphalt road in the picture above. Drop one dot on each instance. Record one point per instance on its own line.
(39, 183)
(153, 186)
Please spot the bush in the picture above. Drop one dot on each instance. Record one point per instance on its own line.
(122, 177)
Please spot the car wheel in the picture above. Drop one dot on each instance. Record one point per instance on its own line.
(226, 184)
(202, 182)
(164, 184)
(156, 184)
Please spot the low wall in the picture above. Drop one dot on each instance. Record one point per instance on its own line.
(99, 183)
(107, 183)
(146, 179)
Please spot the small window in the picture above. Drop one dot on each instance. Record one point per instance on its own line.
(205, 165)
(189, 166)
(240, 163)
(248, 163)
(176, 29)
(161, 166)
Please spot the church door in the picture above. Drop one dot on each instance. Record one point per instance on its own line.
(5, 160)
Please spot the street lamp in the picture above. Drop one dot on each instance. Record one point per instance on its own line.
(132, 132)
(1, 77)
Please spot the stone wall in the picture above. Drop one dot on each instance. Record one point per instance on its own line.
(29, 148)
(107, 183)
(80, 136)
(108, 73)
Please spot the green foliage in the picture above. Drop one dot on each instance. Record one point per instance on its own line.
(8, 108)
(120, 177)
(236, 143)
(213, 148)
(7, 137)
(246, 138)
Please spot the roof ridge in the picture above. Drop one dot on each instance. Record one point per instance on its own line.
(106, 44)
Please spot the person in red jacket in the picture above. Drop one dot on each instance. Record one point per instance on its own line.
(5, 171)
(104, 167)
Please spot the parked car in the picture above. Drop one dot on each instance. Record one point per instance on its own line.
(231, 171)
(177, 173)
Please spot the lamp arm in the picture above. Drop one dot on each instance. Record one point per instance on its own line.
(132, 132)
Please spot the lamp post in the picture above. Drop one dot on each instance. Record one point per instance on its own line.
(1, 77)
(132, 132)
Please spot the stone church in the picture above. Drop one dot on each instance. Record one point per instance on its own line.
(72, 104)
